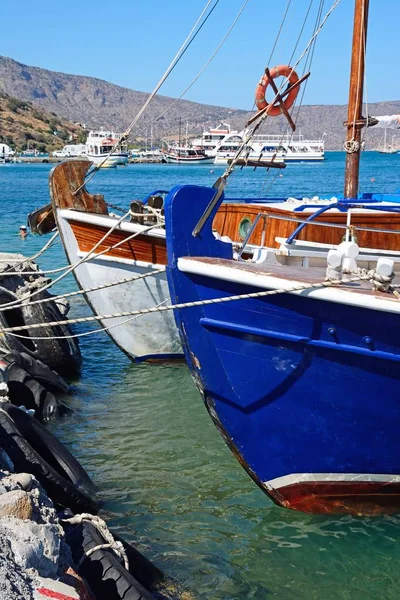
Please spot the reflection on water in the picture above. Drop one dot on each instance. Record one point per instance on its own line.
(169, 483)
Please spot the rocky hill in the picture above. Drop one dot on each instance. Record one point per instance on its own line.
(99, 103)
(22, 123)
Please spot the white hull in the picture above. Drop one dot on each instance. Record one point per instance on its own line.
(294, 157)
(111, 161)
(297, 157)
(122, 159)
(144, 337)
(188, 161)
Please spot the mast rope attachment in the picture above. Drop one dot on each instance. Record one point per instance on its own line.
(351, 146)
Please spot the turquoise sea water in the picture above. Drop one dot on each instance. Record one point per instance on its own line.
(169, 483)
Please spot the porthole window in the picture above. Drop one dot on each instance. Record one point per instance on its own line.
(244, 227)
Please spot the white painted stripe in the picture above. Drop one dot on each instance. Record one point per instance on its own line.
(296, 478)
(108, 222)
(116, 259)
(267, 281)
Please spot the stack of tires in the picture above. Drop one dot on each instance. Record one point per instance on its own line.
(30, 390)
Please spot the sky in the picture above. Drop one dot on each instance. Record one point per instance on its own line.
(132, 42)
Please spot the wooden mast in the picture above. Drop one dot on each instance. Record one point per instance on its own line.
(356, 97)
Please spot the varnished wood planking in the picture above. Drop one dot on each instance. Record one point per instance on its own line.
(153, 250)
(144, 247)
(229, 216)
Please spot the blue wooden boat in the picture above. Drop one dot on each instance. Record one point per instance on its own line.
(303, 385)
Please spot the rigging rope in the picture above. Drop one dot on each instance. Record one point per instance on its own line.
(279, 32)
(70, 269)
(252, 131)
(366, 129)
(21, 261)
(352, 145)
(205, 66)
(88, 256)
(145, 311)
(87, 333)
(307, 67)
(188, 41)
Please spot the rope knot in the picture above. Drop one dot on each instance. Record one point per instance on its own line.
(382, 283)
(110, 542)
(351, 146)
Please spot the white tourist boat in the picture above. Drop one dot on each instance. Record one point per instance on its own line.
(223, 143)
(287, 148)
(213, 140)
(100, 143)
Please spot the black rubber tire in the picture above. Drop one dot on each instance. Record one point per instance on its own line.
(25, 391)
(34, 449)
(13, 318)
(107, 577)
(38, 370)
(150, 576)
(62, 355)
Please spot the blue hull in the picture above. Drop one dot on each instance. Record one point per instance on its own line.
(305, 392)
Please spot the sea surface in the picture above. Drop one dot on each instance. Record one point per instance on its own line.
(169, 483)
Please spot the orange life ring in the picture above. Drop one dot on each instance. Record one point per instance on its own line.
(279, 71)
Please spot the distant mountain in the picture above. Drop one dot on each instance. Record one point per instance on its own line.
(98, 103)
(22, 124)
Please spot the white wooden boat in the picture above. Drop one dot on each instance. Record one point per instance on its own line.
(83, 221)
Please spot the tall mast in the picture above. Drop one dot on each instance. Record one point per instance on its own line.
(355, 98)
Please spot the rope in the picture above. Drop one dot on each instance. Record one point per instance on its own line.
(252, 131)
(189, 39)
(366, 129)
(267, 185)
(31, 258)
(71, 268)
(4, 308)
(146, 311)
(279, 32)
(380, 283)
(205, 66)
(86, 333)
(38, 272)
(102, 528)
(156, 212)
(84, 259)
(351, 146)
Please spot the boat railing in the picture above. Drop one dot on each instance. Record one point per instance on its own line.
(341, 205)
(302, 223)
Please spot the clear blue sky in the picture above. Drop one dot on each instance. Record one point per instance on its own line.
(131, 42)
